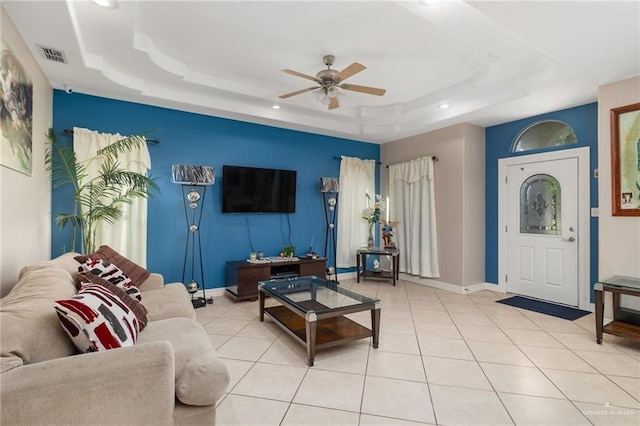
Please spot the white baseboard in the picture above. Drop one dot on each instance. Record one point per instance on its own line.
(446, 286)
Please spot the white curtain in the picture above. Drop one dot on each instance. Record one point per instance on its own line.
(128, 236)
(412, 203)
(357, 178)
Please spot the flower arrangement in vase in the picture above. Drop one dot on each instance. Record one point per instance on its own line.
(372, 215)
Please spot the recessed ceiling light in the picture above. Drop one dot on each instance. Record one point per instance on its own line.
(443, 106)
(276, 107)
(106, 3)
(430, 2)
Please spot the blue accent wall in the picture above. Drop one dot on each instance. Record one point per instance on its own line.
(584, 121)
(187, 138)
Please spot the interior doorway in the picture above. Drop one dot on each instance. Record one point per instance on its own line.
(544, 226)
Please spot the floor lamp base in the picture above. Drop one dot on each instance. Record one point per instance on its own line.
(200, 302)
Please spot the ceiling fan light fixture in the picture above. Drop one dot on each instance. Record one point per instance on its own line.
(330, 81)
(334, 92)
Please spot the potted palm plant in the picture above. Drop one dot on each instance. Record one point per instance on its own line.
(97, 199)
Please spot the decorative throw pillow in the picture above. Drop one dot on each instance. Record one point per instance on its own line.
(131, 269)
(97, 320)
(111, 273)
(136, 307)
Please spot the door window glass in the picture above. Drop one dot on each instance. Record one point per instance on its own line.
(545, 134)
(540, 206)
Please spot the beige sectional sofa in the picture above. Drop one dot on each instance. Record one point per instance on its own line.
(171, 376)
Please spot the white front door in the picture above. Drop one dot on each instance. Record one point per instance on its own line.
(542, 230)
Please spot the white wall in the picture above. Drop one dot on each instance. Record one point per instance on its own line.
(459, 195)
(25, 201)
(619, 249)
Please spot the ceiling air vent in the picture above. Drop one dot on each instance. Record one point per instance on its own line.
(52, 54)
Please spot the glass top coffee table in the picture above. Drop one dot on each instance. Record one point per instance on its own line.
(312, 310)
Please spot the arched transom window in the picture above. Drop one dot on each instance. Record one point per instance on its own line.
(544, 134)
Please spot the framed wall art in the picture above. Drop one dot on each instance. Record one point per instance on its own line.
(16, 108)
(625, 160)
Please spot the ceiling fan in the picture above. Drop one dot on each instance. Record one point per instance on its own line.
(330, 80)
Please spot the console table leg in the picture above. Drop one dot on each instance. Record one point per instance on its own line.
(357, 268)
(375, 326)
(599, 315)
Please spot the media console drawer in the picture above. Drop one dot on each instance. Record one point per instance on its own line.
(243, 277)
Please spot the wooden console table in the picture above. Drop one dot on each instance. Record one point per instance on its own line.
(243, 276)
(361, 260)
(626, 322)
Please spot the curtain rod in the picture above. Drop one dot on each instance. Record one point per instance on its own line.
(70, 132)
(340, 158)
(433, 157)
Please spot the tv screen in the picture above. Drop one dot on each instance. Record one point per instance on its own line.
(257, 190)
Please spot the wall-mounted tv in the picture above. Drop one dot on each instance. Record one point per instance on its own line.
(257, 190)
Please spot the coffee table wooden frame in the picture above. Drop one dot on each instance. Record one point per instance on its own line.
(320, 330)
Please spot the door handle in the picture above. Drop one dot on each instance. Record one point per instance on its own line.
(570, 239)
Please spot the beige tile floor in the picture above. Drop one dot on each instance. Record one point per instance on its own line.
(443, 359)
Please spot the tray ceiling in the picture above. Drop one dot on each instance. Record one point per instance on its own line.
(491, 62)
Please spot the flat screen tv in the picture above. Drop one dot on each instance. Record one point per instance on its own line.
(257, 190)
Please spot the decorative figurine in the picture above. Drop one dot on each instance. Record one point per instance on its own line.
(387, 233)
(376, 266)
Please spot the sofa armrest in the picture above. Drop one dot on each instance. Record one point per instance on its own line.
(154, 282)
(133, 385)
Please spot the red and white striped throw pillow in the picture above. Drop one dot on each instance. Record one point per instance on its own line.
(97, 320)
(111, 273)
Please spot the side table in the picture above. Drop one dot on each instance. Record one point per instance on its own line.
(626, 322)
(361, 259)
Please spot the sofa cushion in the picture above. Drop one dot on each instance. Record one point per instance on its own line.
(66, 261)
(110, 272)
(136, 307)
(168, 302)
(96, 320)
(137, 273)
(30, 329)
(201, 377)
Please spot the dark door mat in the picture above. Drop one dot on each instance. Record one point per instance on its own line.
(547, 308)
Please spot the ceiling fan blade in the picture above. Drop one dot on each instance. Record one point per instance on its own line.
(352, 69)
(299, 74)
(363, 89)
(333, 103)
(297, 92)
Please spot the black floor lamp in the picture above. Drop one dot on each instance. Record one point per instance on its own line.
(194, 181)
(330, 188)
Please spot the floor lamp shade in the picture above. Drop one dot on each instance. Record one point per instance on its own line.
(329, 184)
(194, 175)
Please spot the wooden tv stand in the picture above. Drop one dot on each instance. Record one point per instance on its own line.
(243, 276)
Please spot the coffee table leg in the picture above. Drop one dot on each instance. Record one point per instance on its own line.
(311, 321)
(261, 297)
(375, 325)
